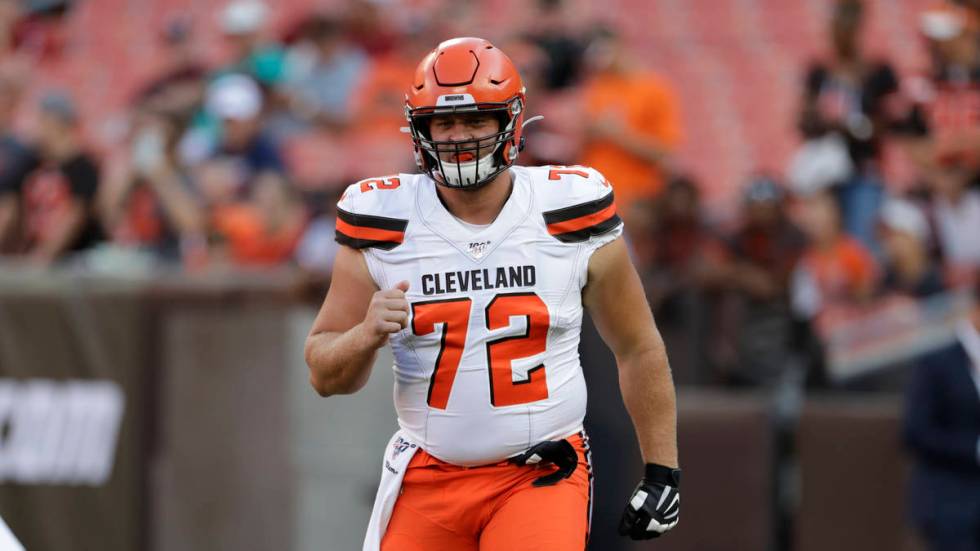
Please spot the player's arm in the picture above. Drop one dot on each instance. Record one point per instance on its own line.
(615, 299)
(353, 323)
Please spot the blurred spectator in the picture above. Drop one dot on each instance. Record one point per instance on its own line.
(554, 139)
(324, 71)
(317, 248)
(237, 102)
(956, 215)
(264, 230)
(50, 189)
(680, 261)
(764, 251)
(40, 31)
(632, 121)
(847, 95)
(835, 269)
(374, 140)
(243, 22)
(372, 31)
(564, 49)
(11, 151)
(11, 92)
(946, 117)
(904, 234)
(179, 89)
(151, 203)
(942, 432)
(10, 15)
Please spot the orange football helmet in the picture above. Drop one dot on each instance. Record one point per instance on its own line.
(465, 75)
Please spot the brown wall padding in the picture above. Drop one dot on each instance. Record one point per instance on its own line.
(725, 454)
(853, 475)
(62, 336)
(222, 472)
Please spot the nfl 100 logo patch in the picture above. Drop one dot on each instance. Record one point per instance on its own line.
(478, 249)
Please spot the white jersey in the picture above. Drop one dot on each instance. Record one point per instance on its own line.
(488, 365)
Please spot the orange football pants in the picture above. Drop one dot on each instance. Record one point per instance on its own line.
(444, 507)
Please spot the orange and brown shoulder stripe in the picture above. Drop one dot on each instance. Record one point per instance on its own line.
(579, 222)
(362, 231)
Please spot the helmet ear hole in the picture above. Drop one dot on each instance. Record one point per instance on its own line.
(423, 125)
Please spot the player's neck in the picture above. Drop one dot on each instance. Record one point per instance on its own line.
(479, 206)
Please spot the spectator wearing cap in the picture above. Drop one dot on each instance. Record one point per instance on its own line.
(632, 121)
(942, 434)
(242, 22)
(847, 96)
(236, 101)
(52, 188)
(763, 252)
(904, 234)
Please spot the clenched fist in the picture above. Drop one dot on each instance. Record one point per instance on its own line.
(387, 313)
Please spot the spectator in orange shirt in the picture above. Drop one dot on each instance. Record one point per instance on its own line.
(632, 121)
(374, 139)
(835, 268)
(265, 230)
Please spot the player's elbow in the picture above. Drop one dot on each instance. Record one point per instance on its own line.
(322, 387)
(326, 386)
(328, 374)
(319, 380)
(318, 386)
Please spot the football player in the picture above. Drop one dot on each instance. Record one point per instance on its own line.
(477, 273)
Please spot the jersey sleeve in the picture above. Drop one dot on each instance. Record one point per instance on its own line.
(582, 208)
(373, 214)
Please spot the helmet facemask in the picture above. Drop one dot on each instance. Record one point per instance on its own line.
(476, 162)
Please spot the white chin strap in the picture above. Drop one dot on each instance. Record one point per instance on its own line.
(467, 173)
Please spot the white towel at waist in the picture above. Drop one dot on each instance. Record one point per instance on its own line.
(398, 453)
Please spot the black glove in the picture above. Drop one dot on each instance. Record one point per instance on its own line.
(559, 452)
(655, 505)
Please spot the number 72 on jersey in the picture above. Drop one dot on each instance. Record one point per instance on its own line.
(454, 316)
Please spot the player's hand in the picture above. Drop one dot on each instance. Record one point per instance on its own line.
(560, 453)
(655, 505)
(387, 313)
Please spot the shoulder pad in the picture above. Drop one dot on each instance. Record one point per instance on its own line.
(577, 202)
(374, 213)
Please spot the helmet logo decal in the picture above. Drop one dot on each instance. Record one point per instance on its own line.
(454, 99)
